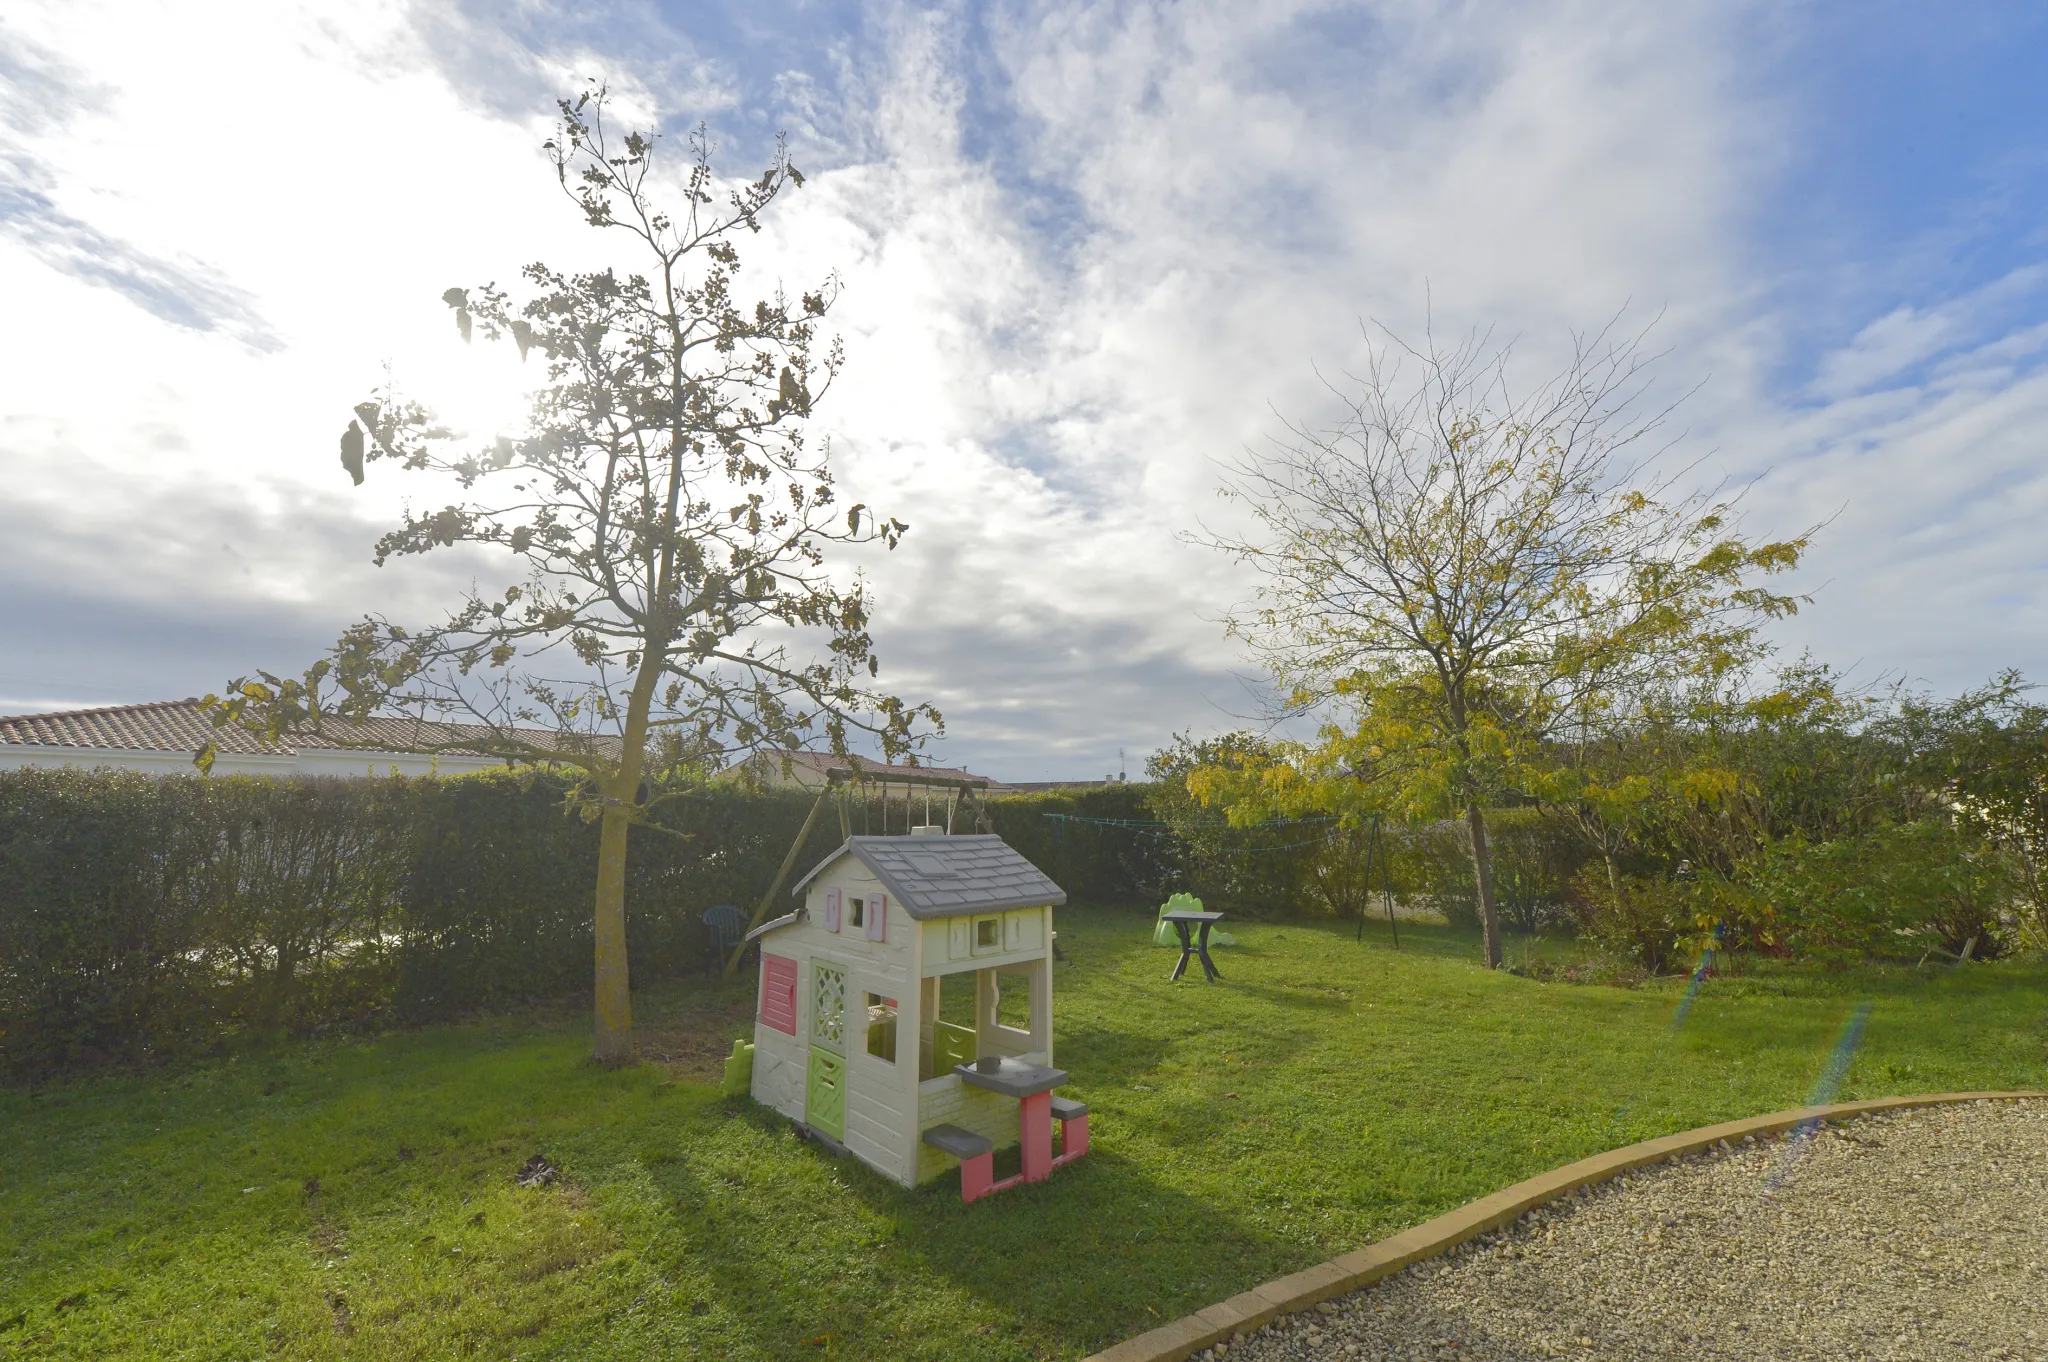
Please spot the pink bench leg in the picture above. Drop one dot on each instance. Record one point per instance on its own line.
(1034, 1134)
(1073, 1138)
(977, 1175)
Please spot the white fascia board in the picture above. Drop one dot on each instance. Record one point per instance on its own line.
(307, 761)
(343, 761)
(154, 761)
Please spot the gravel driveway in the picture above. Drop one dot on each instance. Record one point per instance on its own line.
(1916, 1234)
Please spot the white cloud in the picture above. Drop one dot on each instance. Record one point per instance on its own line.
(1909, 336)
(1089, 251)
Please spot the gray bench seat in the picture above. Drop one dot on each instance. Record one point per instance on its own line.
(1067, 1109)
(961, 1144)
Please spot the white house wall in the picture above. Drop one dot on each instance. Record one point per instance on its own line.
(316, 761)
(305, 762)
(23, 756)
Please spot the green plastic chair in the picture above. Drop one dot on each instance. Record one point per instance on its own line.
(1163, 933)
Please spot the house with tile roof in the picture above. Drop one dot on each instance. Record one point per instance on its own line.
(814, 770)
(162, 737)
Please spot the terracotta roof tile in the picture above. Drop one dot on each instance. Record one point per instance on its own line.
(816, 763)
(180, 726)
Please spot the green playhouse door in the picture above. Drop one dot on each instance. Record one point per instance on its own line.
(825, 1093)
(825, 1097)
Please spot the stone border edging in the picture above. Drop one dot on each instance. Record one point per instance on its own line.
(1249, 1310)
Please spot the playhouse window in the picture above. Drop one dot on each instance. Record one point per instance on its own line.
(988, 933)
(1013, 1000)
(956, 999)
(856, 912)
(881, 1013)
(947, 1030)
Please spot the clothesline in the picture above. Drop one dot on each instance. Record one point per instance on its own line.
(1162, 823)
(1154, 827)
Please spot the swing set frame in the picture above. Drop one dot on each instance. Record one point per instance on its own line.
(841, 784)
(1376, 854)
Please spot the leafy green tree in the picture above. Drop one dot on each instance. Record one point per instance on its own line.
(1983, 759)
(1457, 572)
(669, 513)
(1277, 866)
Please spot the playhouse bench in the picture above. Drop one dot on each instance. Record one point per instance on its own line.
(977, 1152)
(1073, 1119)
(961, 1144)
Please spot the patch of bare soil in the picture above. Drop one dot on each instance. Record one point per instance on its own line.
(692, 1035)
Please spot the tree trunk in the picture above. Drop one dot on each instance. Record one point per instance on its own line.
(614, 1040)
(1482, 879)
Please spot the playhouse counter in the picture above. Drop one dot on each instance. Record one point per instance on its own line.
(1009, 1076)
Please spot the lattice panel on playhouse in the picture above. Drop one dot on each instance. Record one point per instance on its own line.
(828, 1006)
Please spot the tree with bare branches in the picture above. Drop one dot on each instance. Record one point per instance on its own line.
(669, 515)
(1458, 571)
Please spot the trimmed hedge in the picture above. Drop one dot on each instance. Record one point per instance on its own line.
(146, 916)
(1144, 842)
(1085, 840)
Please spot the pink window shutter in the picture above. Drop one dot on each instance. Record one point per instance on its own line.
(831, 910)
(878, 918)
(778, 993)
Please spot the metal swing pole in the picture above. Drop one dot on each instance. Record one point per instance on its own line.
(1365, 902)
(1386, 878)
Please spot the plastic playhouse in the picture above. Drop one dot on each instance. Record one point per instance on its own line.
(906, 1010)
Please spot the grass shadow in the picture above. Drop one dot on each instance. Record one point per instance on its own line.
(1103, 1248)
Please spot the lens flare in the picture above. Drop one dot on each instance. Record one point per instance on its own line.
(1824, 1089)
(1692, 990)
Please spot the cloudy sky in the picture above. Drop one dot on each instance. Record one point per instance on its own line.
(1088, 251)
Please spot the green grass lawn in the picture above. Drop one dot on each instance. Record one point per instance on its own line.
(355, 1198)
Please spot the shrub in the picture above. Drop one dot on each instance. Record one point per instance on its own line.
(1103, 844)
(1897, 890)
(1637, 919)
(1140, 842)
(99, 915)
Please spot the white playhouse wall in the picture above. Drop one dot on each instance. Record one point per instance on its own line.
(881, 1097)
(780, 1061)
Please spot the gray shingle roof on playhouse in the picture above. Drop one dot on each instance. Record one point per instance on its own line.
(949, 876)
